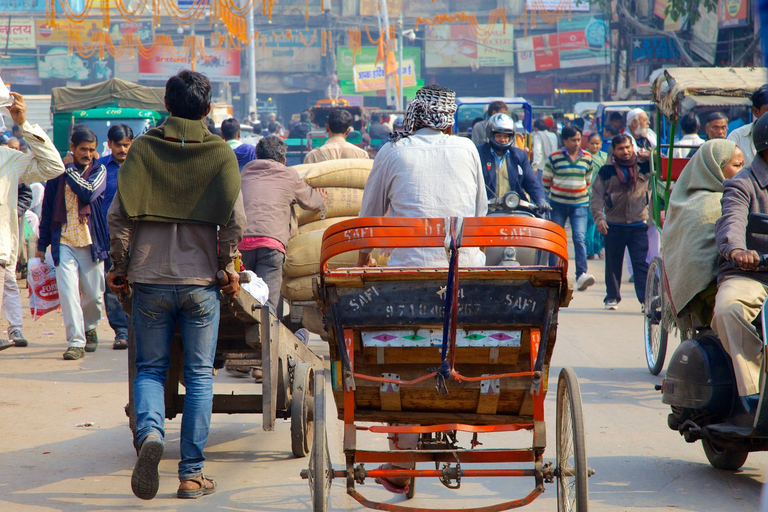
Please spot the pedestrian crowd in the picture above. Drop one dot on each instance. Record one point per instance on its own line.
(157, 218)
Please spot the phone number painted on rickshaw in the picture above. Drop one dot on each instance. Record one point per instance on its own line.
(423, 303)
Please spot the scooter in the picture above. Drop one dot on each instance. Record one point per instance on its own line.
(701, 389)
(510, 204)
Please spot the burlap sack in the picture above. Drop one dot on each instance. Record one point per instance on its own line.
(321, 225)
(345, 173)
(302, 256)
(298, 288)
(342, 202)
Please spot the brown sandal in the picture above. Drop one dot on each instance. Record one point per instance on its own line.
(196, 487)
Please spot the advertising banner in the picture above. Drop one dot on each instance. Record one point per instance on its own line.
(19, 59)
(580, 42)
(558, 5)
(140, 28)
(654, 50)
(454, 46)
(56, 62)
(223, 67)
(732, 13)
(59, 36)
(17, 33)
(363, 76)
(301, 53)
(704, 41)
(412, 9)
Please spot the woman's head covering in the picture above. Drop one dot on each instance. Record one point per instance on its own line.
(433, 107)
(705, 170)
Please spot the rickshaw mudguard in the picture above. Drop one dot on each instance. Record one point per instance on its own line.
(391, 507)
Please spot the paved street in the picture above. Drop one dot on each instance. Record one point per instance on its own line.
(48, 463)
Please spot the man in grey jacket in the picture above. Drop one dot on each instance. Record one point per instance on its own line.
(741, 291)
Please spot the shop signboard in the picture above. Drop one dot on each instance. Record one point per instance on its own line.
(301, 53)
(58, 63)
(363, 76)
(21, 76)
(704, 41)
(558, 5)
(732, 13)
(654, 50)
(670, 25)
(19, 59)
(413, 9)
(17, 33)
(140, 28)
(454, 46)
(59, 35)
(224, 66)
(579, 42)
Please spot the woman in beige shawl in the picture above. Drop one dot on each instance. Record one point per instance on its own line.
(688, 237)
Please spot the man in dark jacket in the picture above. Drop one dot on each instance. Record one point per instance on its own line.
(741, 291)
(73, 224)
(619, 206)
(505, 167)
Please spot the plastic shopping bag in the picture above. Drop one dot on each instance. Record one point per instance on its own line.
(43, 291)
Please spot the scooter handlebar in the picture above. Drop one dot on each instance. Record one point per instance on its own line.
(762, 265)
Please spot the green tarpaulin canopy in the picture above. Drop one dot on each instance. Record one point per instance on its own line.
(114, 92)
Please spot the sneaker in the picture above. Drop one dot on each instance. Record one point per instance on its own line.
(17, 337)
(585, 281)
(91, 340)
(73, 353)
(612, 305)
(145, 480)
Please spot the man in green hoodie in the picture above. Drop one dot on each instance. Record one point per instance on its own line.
(179, 209)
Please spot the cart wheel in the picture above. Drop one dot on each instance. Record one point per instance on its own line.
(303, 410)
(722, 458)
(655, 332)
(572, 492)
(320, 468)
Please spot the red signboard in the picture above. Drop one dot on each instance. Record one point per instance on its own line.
(732, 13)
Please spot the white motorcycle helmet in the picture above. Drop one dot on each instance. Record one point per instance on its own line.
(500, 123)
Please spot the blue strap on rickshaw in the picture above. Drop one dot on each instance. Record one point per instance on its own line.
(452, 244)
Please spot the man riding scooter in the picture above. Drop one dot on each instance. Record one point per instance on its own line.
(505, 167)
(740, 289)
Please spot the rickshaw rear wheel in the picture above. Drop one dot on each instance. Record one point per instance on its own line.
(655, 332)
(320, 469)
(572, 487)
(722, 458)
(303, 410)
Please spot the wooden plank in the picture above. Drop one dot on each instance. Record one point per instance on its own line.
(488, 401)
(269, 356)
(434, 418)
(389, 393)
(229, 404)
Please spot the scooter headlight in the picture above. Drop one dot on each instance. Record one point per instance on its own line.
(512, 200)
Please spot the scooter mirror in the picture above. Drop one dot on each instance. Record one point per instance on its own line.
(757, 224)
(512, 200)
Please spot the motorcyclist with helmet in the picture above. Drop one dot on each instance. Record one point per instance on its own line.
(505, 167)
(740, 289)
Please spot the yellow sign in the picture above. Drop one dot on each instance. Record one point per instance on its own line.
(371, 77)
(59, 36)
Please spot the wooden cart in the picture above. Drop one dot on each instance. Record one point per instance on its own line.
(441, 351)
(250, 335)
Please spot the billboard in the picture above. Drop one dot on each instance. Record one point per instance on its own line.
(17, 33)
(704, 41)
(557, 5)
(223, 67)
(732, 13)
(301, 53)
(57, 63)
(454, 46)
(363, 76)
(654, 50)
(581, 42)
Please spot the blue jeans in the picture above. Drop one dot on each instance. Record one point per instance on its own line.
(578, 216)
(115, 314)
(156, 310)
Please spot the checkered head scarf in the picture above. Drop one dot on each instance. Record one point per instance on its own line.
(433, 107)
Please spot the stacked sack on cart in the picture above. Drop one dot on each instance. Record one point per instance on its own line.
(344, 180)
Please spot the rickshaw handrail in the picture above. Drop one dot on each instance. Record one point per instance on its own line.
(399, 232)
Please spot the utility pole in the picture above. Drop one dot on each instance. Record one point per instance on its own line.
(401, 93)
(384, 30)
(251, 64)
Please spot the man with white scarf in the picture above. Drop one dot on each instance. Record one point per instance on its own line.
(424, 172)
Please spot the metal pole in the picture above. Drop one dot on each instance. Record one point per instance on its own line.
(401, 93)
(251, 65)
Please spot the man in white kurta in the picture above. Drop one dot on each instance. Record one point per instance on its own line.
(427, 173)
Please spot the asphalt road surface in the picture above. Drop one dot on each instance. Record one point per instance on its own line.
(49, 463)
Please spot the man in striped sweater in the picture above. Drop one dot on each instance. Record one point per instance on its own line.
(567, 176)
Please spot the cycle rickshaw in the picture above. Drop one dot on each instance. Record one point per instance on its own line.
(446, 352)
(676, 92)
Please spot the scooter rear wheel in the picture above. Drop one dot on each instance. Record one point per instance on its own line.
(722, 458)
